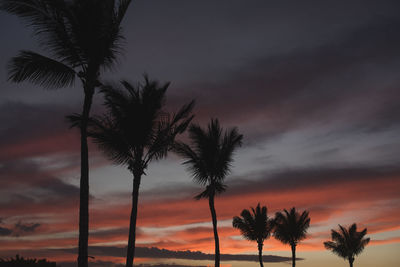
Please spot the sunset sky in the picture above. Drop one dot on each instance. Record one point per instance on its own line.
(314, 87)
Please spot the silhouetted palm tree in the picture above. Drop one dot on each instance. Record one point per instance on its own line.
(83, 38)
(254, 226)
(347, 243)
(290, 228)
(135, 131)
(209, 159)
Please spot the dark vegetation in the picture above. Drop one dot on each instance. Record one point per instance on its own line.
(22, 262)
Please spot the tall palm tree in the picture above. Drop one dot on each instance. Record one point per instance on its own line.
(347, 243)
(82, 38)
(255, 226)
(209, 159)
(135, 131)
(290, 227)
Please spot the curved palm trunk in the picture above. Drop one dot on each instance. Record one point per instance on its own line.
(84, 182)
(214, 222)
(293, 255)
(132, 225)
(260, 247)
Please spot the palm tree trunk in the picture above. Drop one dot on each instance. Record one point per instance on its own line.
(260, 247)
(84, 182)
(351, 260)
(132, 225)
(293, 255)
(214, 221)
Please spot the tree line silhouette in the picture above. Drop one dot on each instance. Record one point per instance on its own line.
(84, 39)
(25, 262)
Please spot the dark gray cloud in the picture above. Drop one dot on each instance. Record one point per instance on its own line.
(31, 174)
(201, 41)
(19, 229)
(20, 121)
(286, 179)
(26, 227)
(112, 264)
(5, 231)
(312, 85)
(154, 252)
(28, 188)
(308, 178)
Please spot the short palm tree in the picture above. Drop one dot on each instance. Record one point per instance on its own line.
(209, 160)
(254, 226)
(290, 227)
(135, 131)
(347, 243)
(82, 38)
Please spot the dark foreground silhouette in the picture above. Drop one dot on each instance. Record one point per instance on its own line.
(22, 262)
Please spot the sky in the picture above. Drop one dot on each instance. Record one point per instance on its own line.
(312, 85)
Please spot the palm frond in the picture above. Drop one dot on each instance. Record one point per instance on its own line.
(104, 133)
(74, 120)
(38, 69)
(211, 191)
(50, 20)
(122, 8)
(193, 162)
(166, 131)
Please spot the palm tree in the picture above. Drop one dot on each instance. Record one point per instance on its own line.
(254, 226)
(209, 159)
(83, 38)
(135, 131)
(347, 243)
(290, 228)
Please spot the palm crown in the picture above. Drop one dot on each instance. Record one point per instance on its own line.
(210, 157)
(347, 243)
(81, 36)
(291, 226)
(137, 129)
(254, 225)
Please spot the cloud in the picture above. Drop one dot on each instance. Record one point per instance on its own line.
(309, 86)
(330, 195)
(312, 177)
(5, 231)
(19, 229)
(28, 173)
(22, 228)
(113, 264)
(155, 253)
(30, 130)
